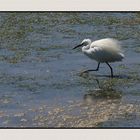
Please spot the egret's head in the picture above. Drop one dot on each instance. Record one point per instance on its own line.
(85, 42)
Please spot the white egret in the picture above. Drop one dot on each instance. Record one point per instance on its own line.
(103, 51)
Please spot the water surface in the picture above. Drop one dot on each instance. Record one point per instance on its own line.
(40, 81)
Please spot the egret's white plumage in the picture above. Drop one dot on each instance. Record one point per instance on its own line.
(103, 50)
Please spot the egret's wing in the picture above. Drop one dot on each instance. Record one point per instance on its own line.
(107, 44)
(103, 51)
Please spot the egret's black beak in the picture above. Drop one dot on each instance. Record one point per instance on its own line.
(80, 45)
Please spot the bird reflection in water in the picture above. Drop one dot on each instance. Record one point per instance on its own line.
(103, 91)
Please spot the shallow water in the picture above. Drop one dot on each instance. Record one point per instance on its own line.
(40, 81)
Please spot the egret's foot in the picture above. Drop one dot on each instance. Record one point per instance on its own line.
(112, 76)
(83, 73)
(86, 71)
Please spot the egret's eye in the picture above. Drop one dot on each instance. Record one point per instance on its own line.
(85, 43)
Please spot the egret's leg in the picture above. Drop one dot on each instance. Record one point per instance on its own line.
(110, 69)
(92, 69)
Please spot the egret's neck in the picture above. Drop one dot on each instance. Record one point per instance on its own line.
(85, 48)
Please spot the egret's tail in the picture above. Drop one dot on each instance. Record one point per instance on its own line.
(121, 56)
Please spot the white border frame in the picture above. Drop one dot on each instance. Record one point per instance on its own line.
(70, 134)
(69, 5)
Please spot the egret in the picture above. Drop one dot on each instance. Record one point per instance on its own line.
(103, 51)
